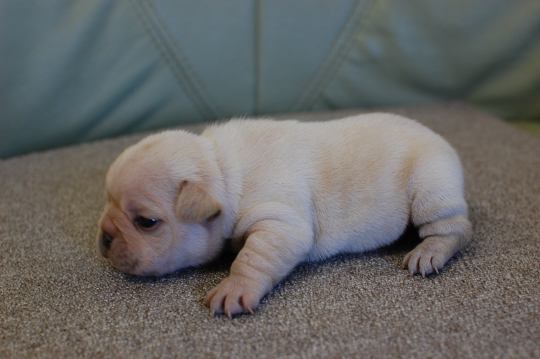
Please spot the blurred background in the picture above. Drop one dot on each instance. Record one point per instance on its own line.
(81, 70)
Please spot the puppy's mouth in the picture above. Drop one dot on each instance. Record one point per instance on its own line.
(104, 242)
(120, 257)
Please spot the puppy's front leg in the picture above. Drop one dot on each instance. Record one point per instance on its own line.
(272, 249)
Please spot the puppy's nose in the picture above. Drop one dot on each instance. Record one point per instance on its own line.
(106, 240)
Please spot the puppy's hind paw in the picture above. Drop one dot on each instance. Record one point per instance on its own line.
(428, 257)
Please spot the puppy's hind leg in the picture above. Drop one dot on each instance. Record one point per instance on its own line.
(439, 211)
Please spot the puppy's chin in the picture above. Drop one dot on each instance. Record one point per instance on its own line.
(142, 263)
(139, 265)
(142, 256)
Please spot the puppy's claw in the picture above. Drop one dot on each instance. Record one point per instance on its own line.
(436, 270)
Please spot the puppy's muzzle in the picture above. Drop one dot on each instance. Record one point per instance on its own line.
(105, 241)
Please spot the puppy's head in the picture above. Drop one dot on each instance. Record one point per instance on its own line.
(163, 211)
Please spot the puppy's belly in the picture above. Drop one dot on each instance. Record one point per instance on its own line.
(357, 234)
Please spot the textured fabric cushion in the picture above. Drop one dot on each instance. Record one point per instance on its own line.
(60, 299)
(77, 70)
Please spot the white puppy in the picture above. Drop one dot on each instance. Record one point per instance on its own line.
(279, 193)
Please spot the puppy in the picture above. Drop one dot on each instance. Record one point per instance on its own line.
(279, 193)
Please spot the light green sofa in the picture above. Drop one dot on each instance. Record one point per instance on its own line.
(79, 70)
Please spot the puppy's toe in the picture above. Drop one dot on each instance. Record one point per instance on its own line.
(249, 302)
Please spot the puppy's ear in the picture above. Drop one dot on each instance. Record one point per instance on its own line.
(194, 204)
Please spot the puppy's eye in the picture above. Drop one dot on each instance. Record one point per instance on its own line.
(145, 222)
(214, 216)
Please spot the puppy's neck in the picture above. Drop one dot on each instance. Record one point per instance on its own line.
(232, 180)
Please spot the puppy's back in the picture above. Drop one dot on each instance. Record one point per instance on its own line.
(351, 177)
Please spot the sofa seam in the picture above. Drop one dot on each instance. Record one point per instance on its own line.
(342, 46)
(175, 59)
(257, 54)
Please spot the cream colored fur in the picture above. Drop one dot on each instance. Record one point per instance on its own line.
(283, 192)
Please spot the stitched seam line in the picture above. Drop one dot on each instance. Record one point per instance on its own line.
(257, 56)
(175, 59)
(336, 56)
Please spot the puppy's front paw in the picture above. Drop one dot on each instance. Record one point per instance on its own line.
(428, 256)
(235, 295)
